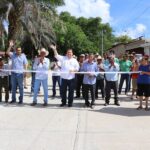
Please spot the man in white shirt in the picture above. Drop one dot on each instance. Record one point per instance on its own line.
(69, 65)
(41, 65)
(111, 81)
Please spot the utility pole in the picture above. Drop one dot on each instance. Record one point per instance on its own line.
(102, 34)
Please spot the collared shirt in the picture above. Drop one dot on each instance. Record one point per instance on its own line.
(125, 65)
(4, 73)
(42, 68)
(111, 76)
(56, 69)
(18, 62)
(68, 64)
(89, 67)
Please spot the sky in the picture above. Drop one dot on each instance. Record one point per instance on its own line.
(126, 17)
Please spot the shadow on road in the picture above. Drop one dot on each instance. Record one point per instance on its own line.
(122, 111)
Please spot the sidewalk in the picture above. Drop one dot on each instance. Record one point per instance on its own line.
(77, 128)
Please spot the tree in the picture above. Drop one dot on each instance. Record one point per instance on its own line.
(123, 39)
(91, 28)
(24, 19)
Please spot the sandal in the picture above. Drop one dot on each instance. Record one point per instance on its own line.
(139, 108)
(146, 108)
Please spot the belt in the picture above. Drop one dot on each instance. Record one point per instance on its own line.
(3, 77)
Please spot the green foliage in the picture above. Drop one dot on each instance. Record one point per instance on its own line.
(123, 39)
(85, 35)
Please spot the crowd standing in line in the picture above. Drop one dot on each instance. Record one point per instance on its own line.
(86, 74)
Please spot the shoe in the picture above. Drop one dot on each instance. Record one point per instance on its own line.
(132, 97)
(92, 106)
(62, 105)
(45, 104)
(69, 105)
(11, 102)
(20, 102)
(33, 104)
(77, 97)
(127, 94)
(106, 104)
(117, 104)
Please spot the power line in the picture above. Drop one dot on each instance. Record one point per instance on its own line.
(143, 12)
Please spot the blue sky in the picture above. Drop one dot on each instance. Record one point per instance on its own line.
(129, 17)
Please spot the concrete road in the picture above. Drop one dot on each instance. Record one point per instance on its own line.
(53, 128)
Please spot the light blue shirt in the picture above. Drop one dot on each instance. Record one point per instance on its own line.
(18, 62)
(89, 67)
(111, 76)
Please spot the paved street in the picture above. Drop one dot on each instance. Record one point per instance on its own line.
(77, 128)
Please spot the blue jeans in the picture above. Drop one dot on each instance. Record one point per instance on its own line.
(55, 80)
(17, 80)
(32, 82)
(37, 85)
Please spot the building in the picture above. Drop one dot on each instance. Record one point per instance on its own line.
(139, 46)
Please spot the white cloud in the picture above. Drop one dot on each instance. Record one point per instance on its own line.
(88, 8)
(139, 30)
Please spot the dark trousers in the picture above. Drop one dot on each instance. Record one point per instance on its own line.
(100, 85)
(87, 88)
(79, 84)
(32, 82)
(111, 85)
(70, 85)
(55, 79)
(124, 77)
(4, 83)
(10, 85)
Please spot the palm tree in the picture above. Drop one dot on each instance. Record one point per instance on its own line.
(24, 19)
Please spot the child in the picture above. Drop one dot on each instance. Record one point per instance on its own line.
(4, 80)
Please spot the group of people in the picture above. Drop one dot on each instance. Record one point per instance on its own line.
(86, 74)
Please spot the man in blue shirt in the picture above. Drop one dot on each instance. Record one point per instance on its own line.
(19, 63)
(89, 79)
(111, 81)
